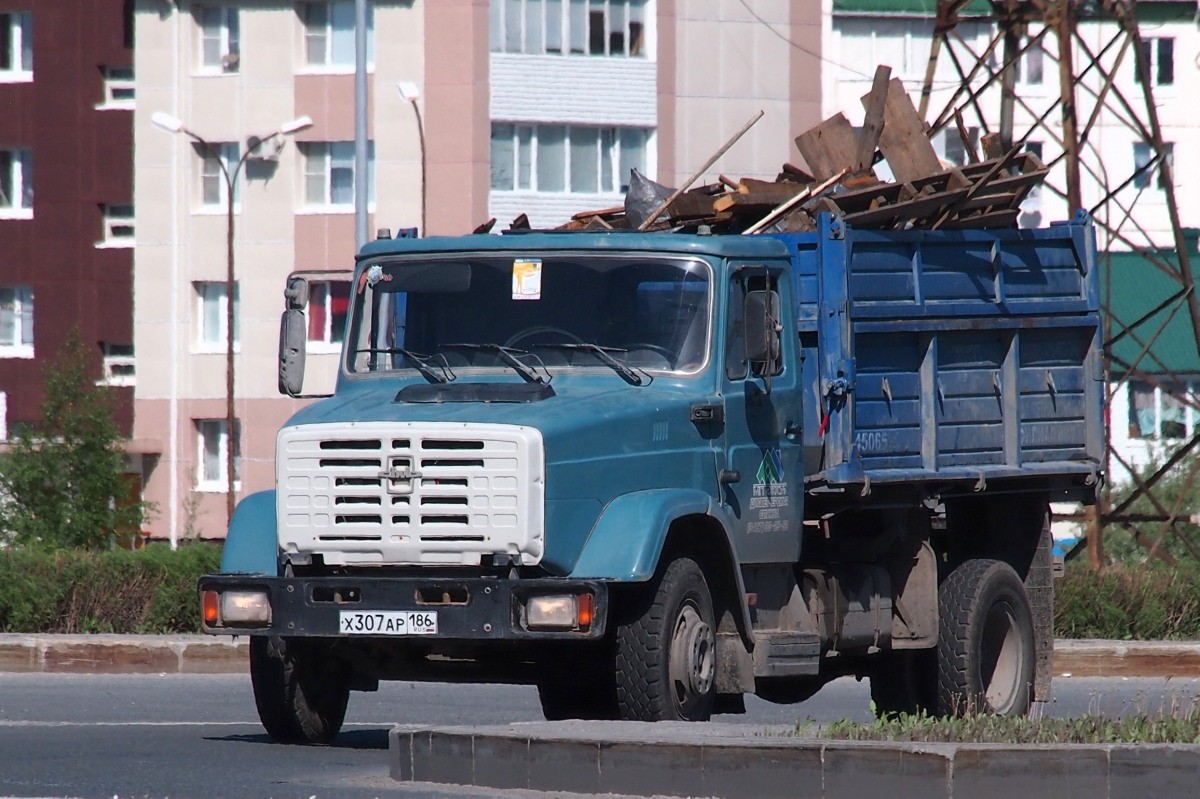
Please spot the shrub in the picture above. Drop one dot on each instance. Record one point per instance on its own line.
(1147, 602)
(78, 591)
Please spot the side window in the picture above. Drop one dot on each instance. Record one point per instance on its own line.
(753, 324)
(735, 330)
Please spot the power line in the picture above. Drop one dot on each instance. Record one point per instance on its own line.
(800, 47)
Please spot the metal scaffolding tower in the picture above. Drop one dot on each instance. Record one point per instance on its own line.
(1106, 74)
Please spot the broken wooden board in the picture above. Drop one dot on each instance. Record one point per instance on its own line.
(868, 138)
(995, 219)
(915, 210)
(790, 173)
(691, 206)
(829, 148)
(866, 199)
(903, 140)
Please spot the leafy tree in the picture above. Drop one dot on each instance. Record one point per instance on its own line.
(62, 481)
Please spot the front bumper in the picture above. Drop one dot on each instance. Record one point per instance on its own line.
(470, 609)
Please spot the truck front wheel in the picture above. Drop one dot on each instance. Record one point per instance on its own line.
(301, 695)
(985, 653)
(666, 653)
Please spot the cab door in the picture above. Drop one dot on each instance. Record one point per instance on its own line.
(762, 483)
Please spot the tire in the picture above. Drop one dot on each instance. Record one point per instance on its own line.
(300, 693)
(985, 653)
(904, 681)
(666, 655)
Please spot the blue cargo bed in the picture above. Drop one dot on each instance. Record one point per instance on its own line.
(968, 355)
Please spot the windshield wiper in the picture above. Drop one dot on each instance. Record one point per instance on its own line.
(620, 367)
(420, 363)
(526, 371)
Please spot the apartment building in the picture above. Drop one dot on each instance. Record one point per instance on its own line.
(477, 110)
(66, 194)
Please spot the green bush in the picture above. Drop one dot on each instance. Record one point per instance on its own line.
(1147, 602)
(154, 591)
(77, 591)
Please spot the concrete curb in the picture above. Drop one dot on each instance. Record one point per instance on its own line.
(662, 759)
(123, 654)
(203, 654)
(1093, 658)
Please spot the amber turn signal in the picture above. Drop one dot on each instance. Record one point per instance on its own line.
(209, 601)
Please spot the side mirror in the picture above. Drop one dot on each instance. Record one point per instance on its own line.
(296, 294)
(293, 336)
(763, 343)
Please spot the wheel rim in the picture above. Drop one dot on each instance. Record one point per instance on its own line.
(693, 659)
(1001, 659)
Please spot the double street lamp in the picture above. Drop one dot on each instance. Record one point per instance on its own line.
(254, 144)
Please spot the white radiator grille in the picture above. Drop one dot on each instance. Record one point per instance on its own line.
(411, 492)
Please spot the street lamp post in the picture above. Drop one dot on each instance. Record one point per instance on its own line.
(411, 93)
(172, 124)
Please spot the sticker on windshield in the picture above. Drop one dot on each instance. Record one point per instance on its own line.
(527, 280)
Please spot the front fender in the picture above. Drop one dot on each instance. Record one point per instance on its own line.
(252, 547)
(627, 539)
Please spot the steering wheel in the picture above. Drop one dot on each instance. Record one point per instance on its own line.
(538, 330)
(663, 351)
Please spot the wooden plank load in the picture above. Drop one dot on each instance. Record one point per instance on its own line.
(841, 178)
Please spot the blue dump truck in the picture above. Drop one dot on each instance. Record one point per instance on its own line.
(650, 473)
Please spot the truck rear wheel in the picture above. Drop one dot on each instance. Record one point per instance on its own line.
(301, 696)
(666, 655)
(985, 652)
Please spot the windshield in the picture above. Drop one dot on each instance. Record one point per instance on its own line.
(556, 313)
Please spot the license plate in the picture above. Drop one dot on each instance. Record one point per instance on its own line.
(388, 622)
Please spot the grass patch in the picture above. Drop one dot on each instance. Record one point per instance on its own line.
(1176, 725)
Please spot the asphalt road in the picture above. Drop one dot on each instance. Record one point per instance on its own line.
(198, 736)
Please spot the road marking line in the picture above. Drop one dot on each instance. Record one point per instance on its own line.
(16, 723)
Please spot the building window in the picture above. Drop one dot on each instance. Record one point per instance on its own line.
(1030, 67)
(215, 163)
(214, 448)
(954, 150)
(1159, 53)
(120, 368)
(220, 48)
(118, 87)
(328, 304)
(16, 46)
(16, 183)
(329, 34)
(213, 313)
(329, 174)
(561, 158)
(1157, 414)
(118, 226)
(1035, 148)
(16, 322)
(1143, 154)
(576, 27)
